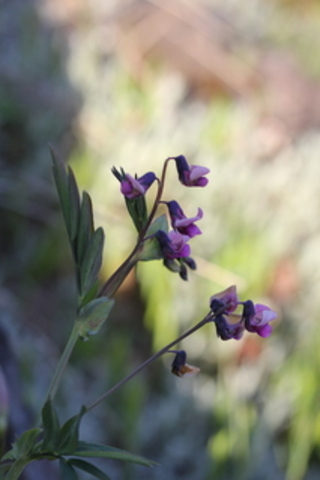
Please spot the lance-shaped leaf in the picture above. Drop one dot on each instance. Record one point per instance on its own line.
(51, 427)
(85, 228)
(74, 199)
(92, 261)
(93, 315)
(69, 434)
(89, 468)
(67, 470)
(151, 249)
(61, 181)
(25, 444)
(93, 450)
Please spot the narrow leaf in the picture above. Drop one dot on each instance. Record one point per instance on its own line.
(69, 434)
(85, 449)
(61, 181)
(86, 226)
(67, 470)
(160, 223)
(92, 261)
(89, 468)
(50, 422)
(93, 315)
(25, 443)
(74, 204)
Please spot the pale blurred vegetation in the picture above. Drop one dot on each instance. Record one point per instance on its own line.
(234, 86)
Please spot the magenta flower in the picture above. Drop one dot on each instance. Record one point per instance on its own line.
(132, 187)
(257, 318)
(173, 244)
(180, 222)
(226, 330)
(193, 175)
(226, 301)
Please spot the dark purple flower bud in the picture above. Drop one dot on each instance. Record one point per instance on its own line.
(193, 175)
(134, 187)
(226, 330)
(173, 244)
(180, 222)
(257, 318)
(179, 366)
(227, 298)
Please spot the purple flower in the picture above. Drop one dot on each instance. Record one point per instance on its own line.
(180, 222)
(226, 301)
(173, 244)
(134, 187)
(226, 330)
(257, 318)
(179, 365)
(193, 175)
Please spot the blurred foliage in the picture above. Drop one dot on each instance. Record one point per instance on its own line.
(253, 412)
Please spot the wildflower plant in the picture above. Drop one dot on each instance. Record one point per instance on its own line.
(163, 237)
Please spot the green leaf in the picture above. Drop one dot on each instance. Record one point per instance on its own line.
(151, 249)
(92, 261)
(160, 223)
(86, 226)
(89, 468)
(61, 181)
(90, 295)
(26, 442)
(69, 434)
(85, 449)
(93, 315)
(51, 427)
(74, 204)
(67, 470)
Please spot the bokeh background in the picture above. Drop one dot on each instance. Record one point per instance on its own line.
(234, 86)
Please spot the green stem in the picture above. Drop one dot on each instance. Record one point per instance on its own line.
(17, 468)
(205, 320)
(60, 368)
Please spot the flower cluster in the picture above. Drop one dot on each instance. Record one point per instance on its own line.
(174, 247)
(254, 318)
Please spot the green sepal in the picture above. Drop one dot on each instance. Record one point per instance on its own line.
(93, 315)
(89, 468)
(151, 249)
(92, 261)
(137, 209)
(85, 228)
(51, 427)
(69, 434)
(95, 450)
(25, 444)
(67, 470)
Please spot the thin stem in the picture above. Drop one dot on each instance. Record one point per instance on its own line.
(60, 368)
(205, 320)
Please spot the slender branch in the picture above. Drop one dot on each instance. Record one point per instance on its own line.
(151, 359)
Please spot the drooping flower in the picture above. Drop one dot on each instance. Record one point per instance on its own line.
(257, 318)
(226, 330)
(191, 175)
(180, 222)
(226, 301)
(179, 365)
(173, 244)
(133, 187)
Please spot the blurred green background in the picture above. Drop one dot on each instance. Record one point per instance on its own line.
(234, 86)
